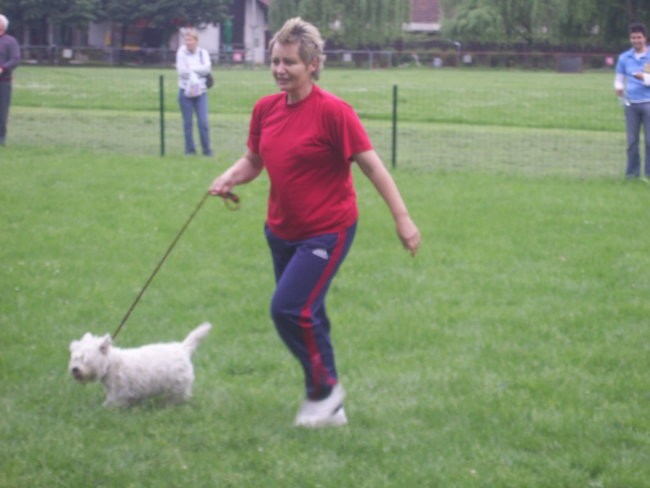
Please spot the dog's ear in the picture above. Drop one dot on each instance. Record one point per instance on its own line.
(73, 345)
(106, 344)
(87, 335)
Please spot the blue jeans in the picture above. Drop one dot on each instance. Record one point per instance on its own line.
(189, 106)
(636, 115)
(303, 272)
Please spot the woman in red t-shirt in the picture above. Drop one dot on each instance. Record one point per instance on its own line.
(307, 139)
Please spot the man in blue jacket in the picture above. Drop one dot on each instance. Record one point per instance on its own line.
(632, 86)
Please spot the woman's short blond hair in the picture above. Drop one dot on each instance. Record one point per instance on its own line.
(307, 36)
(190, 32)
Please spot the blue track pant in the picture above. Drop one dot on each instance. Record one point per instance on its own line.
(303, 273)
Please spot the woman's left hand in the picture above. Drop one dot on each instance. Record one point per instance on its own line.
(409, 234)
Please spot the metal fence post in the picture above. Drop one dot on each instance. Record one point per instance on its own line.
(162, 114)
(394, 139)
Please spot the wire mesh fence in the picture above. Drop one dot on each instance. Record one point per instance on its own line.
(526, 123)
(451, 55)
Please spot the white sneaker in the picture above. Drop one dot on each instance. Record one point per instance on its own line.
(327, 412)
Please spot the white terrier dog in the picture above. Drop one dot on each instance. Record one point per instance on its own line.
(130, 375)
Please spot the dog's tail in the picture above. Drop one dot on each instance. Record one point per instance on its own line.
(193, 339)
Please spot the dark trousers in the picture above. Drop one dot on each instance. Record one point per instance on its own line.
(303, 272)
(637, 115)
(5, 100)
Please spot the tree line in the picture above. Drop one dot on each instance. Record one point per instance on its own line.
(600, 23)
(505, 23)
(166, 15)
(366, 23)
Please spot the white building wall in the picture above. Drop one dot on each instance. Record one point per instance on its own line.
(99, 34)
(254, 33)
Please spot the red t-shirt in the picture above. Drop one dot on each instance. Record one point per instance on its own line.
(307, 150)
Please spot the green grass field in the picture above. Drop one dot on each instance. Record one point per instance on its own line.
(535, 123)
(513, 351)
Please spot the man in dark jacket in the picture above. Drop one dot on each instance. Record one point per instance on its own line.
(9, 59)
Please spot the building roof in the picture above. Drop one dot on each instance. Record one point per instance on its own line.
(425, 11)
(425, 16)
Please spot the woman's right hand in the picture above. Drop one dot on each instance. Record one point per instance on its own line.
(245, 169)
(221, 185)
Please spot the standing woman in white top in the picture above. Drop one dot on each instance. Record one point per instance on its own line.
(193, 65)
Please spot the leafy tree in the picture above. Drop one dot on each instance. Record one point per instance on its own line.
(497, 21)
(167, 15)
(516, 18)
(572, 21)
(473, 21)
(368, 23)
(616, 15)
(349, 23)
(281, 10)
(558, 22)
(73, 13)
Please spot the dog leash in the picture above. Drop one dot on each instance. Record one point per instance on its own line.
(232, 203)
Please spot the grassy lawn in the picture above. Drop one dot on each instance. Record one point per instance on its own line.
(512, 352)
(534, 123)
